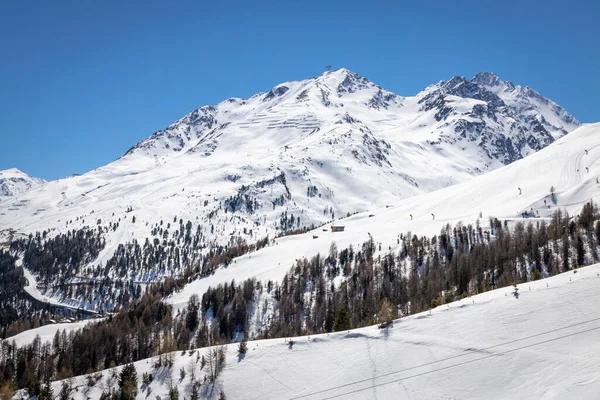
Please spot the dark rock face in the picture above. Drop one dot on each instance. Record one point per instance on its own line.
(384, 99)
(352, 83)
(276, 92)
(181, 132)
(507, 142)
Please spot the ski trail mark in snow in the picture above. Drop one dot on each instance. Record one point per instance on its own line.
(475, 351)
(345, 394)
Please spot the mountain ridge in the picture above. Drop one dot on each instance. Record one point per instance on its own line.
(299, 155)
(485, 86)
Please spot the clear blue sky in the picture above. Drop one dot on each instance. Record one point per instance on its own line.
(82, 81)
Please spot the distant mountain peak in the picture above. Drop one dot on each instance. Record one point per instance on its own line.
(506, 122)
(340, 72)
(14, 181)
(493, 82)
(16, 173)
(344, 81)
(487, 79)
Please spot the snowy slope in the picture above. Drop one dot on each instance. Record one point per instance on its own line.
(13, 182)
(564, 165)
(47, 332)
(490, 346)
(315, 150)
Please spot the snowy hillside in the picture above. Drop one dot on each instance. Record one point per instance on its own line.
(304, 153)
(490, 346)
(46, 332)
(140, 231)
(13, 182)
(571, 166)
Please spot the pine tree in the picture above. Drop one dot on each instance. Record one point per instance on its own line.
(191, 318)
(105, 395)
(128, 381)
(329, 316)
(580, 251)
(46, 393)
(65, 391)
(342, 322)
(243, 347)
(194, 395)
(515, 291)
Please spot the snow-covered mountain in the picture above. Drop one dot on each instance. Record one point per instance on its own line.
(563, 176)
(303, 153)
(13, 181)
(506, 121)
(320, 149)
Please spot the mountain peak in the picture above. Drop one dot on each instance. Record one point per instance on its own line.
(486, 79)
(339, 71)
(342, 74)
(14, 181)
(343, 81)
(12, 173)
(492, 81)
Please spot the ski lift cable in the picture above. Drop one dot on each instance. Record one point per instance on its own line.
(451, 358)
(463, 363)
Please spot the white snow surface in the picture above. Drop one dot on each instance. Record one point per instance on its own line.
(543, 345)
(495, 194)
(47, 332)
(322, 147)
(14, 181)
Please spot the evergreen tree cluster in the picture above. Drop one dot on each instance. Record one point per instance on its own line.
(423, 273)
(18, 311)
(140, 330)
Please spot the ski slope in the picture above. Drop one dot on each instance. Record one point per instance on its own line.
(47, 332)
(543, 345)
(496, 194)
